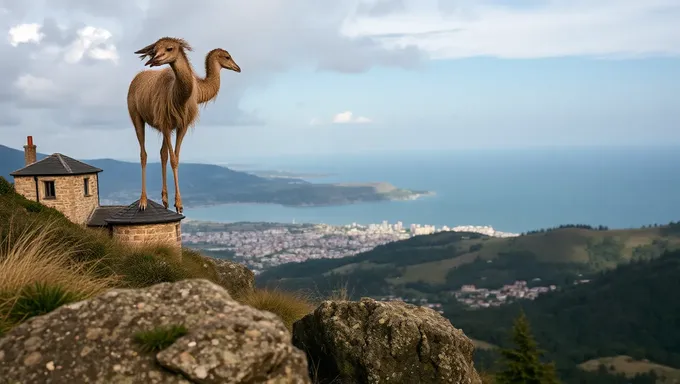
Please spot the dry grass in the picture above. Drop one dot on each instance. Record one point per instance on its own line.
(47, 261)
(31, 258)
(342, 293)
(487, 378)
(483, 345)
(289, 306)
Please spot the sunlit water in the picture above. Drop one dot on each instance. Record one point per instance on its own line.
(509, 190)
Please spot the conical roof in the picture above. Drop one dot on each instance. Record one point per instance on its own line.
(153, 214)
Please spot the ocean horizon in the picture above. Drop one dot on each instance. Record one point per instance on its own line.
(510, 190)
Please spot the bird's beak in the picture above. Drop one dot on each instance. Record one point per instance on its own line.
(151, 62)
(234, 67)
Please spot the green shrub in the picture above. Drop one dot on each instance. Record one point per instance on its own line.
(159, 338)
(6, 188)
(39, 299)
(142, 269)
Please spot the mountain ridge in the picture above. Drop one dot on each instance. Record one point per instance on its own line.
(208, 184)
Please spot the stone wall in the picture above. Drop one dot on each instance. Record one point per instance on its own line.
(70, 196)
(25, 186)
(167, 233)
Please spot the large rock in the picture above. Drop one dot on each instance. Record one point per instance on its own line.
(235, 277)
(383, 342)
(92, 341)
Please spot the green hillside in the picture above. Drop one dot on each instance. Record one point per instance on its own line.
(47, 261)
(444, 261)
(628, 308)
(632, 310)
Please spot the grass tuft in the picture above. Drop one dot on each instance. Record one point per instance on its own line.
(39, 299)
(288, 306)
(159, 338)
(37, 274)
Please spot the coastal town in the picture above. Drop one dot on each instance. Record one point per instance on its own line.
(264, 245)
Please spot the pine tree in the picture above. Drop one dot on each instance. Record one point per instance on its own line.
(522, 364)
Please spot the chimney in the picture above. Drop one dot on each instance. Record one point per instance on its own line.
(30, 153)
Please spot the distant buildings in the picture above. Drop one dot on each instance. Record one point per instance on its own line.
(262, 249)
(475, 298)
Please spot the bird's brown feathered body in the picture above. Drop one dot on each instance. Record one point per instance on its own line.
(153, 97)
(168, 100)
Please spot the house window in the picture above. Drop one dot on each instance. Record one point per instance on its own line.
(50, 192)
(86, 186)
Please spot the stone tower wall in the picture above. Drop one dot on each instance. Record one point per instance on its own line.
(70, 198)
(137, 235)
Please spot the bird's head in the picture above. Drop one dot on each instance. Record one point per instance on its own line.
(225, 60)
(164, 51)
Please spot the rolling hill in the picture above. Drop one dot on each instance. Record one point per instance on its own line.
(629, 311)
(205, 184)
(445, 261)
(627, 308)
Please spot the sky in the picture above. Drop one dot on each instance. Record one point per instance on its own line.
(349, 76)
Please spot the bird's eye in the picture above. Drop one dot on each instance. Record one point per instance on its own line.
(168, 49)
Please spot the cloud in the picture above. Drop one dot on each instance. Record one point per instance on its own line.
(448, 29)
(25, 33)
(76, 65)
(347, 117)
(380, 7)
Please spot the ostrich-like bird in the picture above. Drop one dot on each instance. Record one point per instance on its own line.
(168, 99)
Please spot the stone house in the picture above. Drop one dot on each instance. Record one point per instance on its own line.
(72, 187)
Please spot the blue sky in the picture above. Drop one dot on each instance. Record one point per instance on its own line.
(481, 102)
(352, 76)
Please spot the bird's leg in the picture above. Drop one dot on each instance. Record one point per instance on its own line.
(174, 165)
(139, 129)
(181, 131)
(178, 141)
(164, 174)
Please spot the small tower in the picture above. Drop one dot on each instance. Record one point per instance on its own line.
(60, 182)
(155, 224)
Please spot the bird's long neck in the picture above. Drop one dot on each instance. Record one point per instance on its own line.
(209, 86)
(184, 80)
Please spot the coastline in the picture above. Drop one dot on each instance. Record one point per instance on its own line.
(411, 197)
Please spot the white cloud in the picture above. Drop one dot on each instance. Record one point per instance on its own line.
(347, 117)
(550, 28)
(25, 33)
(95, 42)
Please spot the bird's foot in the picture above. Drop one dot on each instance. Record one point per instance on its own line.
(142, 203)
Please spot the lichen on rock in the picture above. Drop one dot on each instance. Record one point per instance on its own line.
(383, 342)
(92, 341)
(236, 278)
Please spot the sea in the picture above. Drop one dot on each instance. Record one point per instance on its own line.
(510, 190)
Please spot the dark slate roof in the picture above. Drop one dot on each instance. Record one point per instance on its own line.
(56, 165)
(100, 214)
(153, 214)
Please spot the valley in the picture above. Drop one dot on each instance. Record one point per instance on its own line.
(608, 291)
